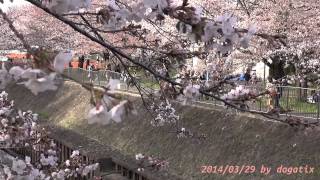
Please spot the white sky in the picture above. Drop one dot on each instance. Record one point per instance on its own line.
(13, 4)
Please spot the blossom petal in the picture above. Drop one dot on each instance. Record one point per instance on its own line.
(61, 60)
(16, 71)
(41, 84)
(117, 111)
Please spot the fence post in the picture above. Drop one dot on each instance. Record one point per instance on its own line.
(318, 112)
(288, 93)
(99, 78)
(83, 74)
(260, 105)
(69, 73)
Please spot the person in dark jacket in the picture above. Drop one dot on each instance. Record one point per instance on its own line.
(316, 97)
(247, 75)
(81, 61)
(118, 68)
(87, 64)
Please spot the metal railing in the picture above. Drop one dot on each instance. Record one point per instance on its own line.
(117, 167)
(100, 77)
(63, 154)
(296, 101)
(303, 102)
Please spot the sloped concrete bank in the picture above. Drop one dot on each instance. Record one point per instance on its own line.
(243, 141)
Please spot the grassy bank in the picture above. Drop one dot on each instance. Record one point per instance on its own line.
(230, 139)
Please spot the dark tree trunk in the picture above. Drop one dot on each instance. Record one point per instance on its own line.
(303, 93)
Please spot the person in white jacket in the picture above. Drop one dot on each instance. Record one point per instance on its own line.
(90, 75)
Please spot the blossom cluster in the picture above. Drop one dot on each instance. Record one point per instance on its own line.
(47, 168)
(219, 34)
(108, 108)
(61, 7)
(166, 114)
(16, 126)
(20, 130)
(191, 91)
(240, 93)
(150, 162)
(183, 133)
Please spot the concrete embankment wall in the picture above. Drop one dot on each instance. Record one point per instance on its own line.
(230, 139)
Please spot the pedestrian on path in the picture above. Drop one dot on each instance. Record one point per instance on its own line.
(90, 74)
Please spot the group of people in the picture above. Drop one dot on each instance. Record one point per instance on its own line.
(274, 87)
(249, 76)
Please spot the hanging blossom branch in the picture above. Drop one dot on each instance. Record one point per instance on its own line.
(20, 132)
(100, 94)
(133, 80)
(50, 63)
(120, 53)
(104, 44)
(109, 109)
(87, 87)
(106, 110)
(190, 14)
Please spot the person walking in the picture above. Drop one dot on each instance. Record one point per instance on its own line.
(118, 68)
(90, 75)
(108, 71)
(247, 75)
(316, 96)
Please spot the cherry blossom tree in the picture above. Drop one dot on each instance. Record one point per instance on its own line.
(158, 38)
(32, 23)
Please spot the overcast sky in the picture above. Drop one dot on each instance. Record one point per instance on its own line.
(15, 3)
